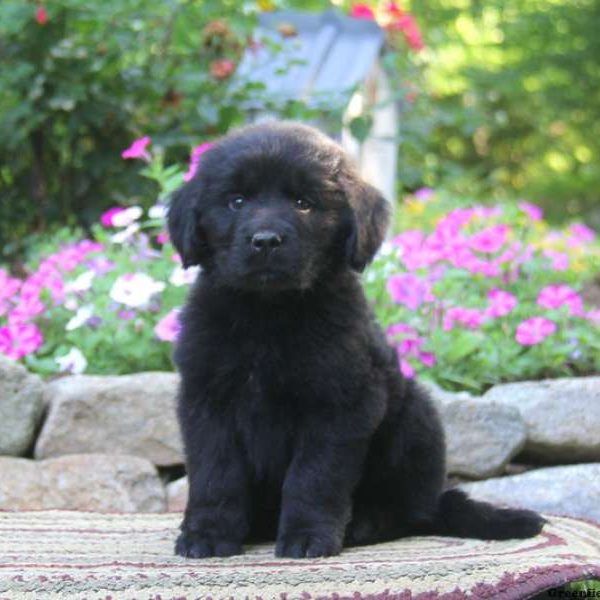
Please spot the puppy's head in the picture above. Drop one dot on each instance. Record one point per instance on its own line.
(276, 206)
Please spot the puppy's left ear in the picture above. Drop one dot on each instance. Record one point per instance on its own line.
(183, 225)
(371, 213)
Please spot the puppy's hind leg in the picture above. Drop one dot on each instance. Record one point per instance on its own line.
(404, 472)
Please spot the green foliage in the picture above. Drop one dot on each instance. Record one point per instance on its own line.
(79, 87)
(515, 87)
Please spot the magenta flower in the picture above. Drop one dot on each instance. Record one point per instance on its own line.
(427, 358)
(559, 260)
(594, 316)
(197, 152)
(106, 219)
(406, 368)
(535, 330)
(9, 286)
(501, 303)
(471, 318)
(582, 233)
(555, 296)
(162, 238)
(138, 149)
(26, 310)
(533, 211)
(409, 290)
(490, 240)
(168, 327)
(399, 330)
(362, 11)
(20, 339)
(424, 194)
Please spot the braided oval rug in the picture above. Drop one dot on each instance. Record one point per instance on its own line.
(63, 554)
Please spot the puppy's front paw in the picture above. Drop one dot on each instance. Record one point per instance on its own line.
(306, 545)
(196, 545)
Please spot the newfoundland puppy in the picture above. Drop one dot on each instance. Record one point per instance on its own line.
(297, 425)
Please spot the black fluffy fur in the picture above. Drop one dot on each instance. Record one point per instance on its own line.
(297, 424)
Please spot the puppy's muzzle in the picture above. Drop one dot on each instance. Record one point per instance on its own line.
(266, 241)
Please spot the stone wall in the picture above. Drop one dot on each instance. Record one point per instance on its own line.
(112, 443)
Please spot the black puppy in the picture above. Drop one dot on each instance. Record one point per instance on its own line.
(296, 422)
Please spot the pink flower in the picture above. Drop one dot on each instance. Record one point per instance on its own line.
(107, 218)
(427, 358)
(9, 286)
(555, 296)
(407, 24)
(406, 368)
(424, 194)
(168, 327)
(399, 330)
(162, 238)
(362, 11)
(409, 290)
(535, 330)
(393, 9)
(490, 240)
(471, 318)
(221, 68)
(41, 15)
(594, 316)
(197, 152)
(501, 303)
(582, 233)
(138, 149)
(559, 260)
(19, 340)
(25, 311)
(534, 212)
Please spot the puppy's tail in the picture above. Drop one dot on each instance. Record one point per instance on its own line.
(460, 516)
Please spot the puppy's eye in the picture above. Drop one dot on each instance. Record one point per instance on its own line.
(303, 205)
(237, 203)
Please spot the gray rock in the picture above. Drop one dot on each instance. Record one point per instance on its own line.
(21, 407)
(481, 438)
(571, 490)
(129, 414)
(562, 417)
(177, 495)
(95, 482)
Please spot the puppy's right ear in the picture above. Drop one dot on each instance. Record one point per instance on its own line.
(183, 225)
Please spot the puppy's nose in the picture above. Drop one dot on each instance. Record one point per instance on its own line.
(266, 240)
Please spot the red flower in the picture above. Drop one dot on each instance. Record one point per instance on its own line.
(408, 26)
(41, 15)
(392, 9)
(362, 11)
(222, 68)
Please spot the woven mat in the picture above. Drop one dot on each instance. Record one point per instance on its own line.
(63, 554)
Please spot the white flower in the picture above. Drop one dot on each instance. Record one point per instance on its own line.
(135, 289)
(71, 303)
(80, 317)
(82, 283)
(181, 276)
(73, 362)
(123, 236)
(158, 211)
(126, 217)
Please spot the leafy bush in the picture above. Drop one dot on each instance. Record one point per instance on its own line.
(80, 79)
(476, 295)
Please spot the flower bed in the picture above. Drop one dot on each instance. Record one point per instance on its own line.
(470, 295)
(474, 295)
